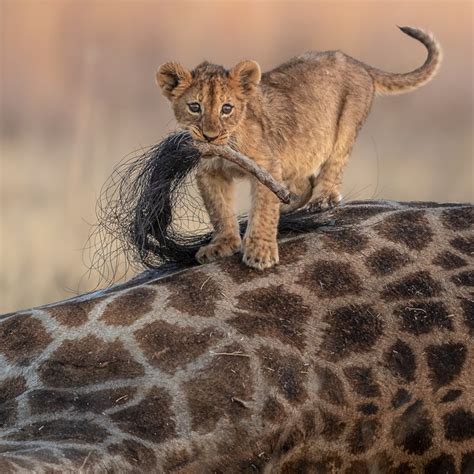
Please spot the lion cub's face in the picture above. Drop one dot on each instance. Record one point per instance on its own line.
(209, 101)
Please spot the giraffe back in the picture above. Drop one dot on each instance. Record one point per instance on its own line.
(354, 355)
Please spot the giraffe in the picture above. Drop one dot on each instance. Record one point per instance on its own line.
(354, 355)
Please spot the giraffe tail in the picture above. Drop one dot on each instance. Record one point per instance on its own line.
(398, 83)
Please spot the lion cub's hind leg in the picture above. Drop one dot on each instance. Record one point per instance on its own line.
(217, 191)
(302, 190)
(327, 184)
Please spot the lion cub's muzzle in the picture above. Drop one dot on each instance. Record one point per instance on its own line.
(215, 139)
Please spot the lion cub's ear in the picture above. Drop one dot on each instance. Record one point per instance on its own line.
(173, 79)
(247, 75)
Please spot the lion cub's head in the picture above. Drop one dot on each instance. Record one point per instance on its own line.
(209, 101)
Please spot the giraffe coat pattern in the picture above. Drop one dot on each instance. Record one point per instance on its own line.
(353, 355)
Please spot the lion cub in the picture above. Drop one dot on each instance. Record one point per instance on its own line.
(299, 121)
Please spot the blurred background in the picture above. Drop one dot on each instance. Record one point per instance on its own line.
(78, 94)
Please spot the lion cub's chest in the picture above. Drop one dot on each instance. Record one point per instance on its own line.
(221, 166)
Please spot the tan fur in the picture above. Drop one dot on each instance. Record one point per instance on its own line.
(299, 121)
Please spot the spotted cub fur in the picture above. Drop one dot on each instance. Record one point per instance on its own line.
(299, 121)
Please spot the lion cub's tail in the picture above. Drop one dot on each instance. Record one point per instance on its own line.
(391, 83)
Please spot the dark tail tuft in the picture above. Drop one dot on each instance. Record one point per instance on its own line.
(150, 211)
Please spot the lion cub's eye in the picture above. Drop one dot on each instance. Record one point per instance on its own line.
(227, 109)
(194, 107)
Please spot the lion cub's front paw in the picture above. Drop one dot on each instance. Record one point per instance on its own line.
(324, 200)
(218, 249)
(260, 254)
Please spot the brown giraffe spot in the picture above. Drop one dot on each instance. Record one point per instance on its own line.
(10, 388)
(400, 360)
(292, 250)
(87, 361)
(368, 408)
(8, 413)
(330, 387)
(449, 261)
(128, 307)
(192, 292)
(51, 401)
(136, 454)
(329, 279)
(468, 309)
(328, 464)
(151, 419)
(308, 423)
(239, 272)
(78, 431)
(458, 219)
(441, 464)
(168, 346)
(73, 313)
(464, 278)
(22, 338)
(345, 240)
(410, 228)
(416, 285)
(362, 381)
(451, 395)
(467, 464)
(458, 425)
(239, 452)
(381, 462)
(464, 245)
(286, 372)
(179, 458)
(272, 312)
(363, 435)
(403, 468)
(353, 215)
(288, 438)
(247, 465)
(273, 411)
(386, 261)
(220, 390)
(445, 362)
(333, 426)
(421, 318)
(358, 467)
(412, 431)
(400, 398)
(350, 329)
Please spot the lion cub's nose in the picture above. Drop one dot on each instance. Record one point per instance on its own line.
(210, 138)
